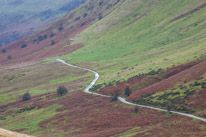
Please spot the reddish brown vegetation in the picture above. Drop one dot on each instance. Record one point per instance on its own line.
(186, 75)
(134, 83)
(62, 30)
(147, 84)
(37, 50)
(44, 49)
(96, 116)
(196, 101)
(90, 116)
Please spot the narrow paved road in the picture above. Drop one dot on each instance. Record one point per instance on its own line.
(123, 100)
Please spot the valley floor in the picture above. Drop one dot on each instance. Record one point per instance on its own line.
(80, 114)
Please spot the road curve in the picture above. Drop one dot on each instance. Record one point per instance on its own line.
(123, 100)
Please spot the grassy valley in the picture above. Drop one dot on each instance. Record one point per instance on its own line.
(156, 48)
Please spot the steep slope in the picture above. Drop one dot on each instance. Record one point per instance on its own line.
(55, 39)
(145, 39)
(21, 17)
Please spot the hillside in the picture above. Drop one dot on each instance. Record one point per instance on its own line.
(157, 48)
(55, 39)
(19, 18)
(151, 38)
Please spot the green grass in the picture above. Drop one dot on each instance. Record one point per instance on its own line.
(126, 39)
(39, 79)
(29, 120)
(68, 78)
(132, 132)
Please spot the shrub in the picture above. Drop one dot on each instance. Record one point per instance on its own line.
(26, 96)
(23, 46)
(40, 38)
(25, 109)
(53, 42)
(197, 83)
(127, 91)
(203, 85)
(34, 40)
(169, 107)
(83, 24)
(61, 27)
(115, 96)
(100, 16)
(78, 18)
(189, 92)
(136, 109)
(52, 35)
(45, 36)
(9, 57)
(85, 14)
(61, 90)
(100, 3)
(3, 50)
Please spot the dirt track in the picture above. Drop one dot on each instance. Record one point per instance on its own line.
(7, 133)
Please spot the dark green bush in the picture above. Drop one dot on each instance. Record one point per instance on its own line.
(26, 96)
(40, 38)
(53, 42)
(9, 57)
(61, 90)
(203, 85)
(169, 107)
(61, 27)
(127, 91)
(25, 109)
(115, 96)
(85, 14)
(136, 109)
(23, 46)
(197, 83)
(3, 50)
(45, 36)
(52, 35)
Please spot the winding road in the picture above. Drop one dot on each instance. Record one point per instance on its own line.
(123, 100)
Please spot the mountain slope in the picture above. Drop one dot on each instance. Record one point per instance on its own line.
(154, 47)
(144, 38)
(149, 41)
(39, 45)
(21, 17)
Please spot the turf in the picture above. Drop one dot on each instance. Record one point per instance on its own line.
(141, 36)
(39, 79)
(29, 120)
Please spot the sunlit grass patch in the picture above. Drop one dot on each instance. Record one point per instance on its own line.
(29, 120)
